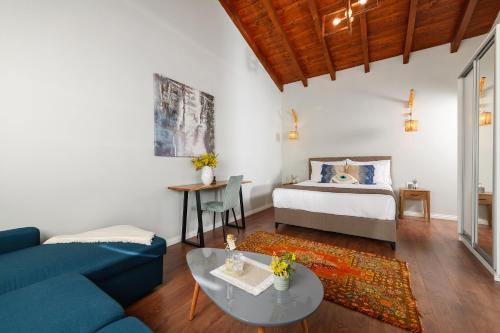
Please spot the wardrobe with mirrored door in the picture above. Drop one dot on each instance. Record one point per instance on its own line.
(478, 153)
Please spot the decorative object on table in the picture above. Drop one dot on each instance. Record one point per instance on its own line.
(254, 277)
(282, 267)
(411, 125)
(294, 179)
(415, 183)
(410, 186)
(184, 119)
(214, 181)
(374, 285)
(230, 247)
(206, 162)
(294, 134)
(480, 188)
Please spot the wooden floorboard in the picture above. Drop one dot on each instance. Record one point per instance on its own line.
(454, 292)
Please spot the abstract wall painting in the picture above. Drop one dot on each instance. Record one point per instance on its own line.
(184, 119)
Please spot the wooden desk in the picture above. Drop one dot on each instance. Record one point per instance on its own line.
(417, 194)
(485, 199)
(197, 188)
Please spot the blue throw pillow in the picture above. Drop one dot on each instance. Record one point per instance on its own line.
(328, 171)
(363, 173)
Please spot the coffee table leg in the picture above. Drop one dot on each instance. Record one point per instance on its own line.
(261, 330)
(196, 292)
(304, 326)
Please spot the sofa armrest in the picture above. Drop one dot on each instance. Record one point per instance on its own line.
(18, 239)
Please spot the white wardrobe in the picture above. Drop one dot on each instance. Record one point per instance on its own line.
(479, 152)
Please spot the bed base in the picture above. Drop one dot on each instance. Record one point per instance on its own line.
(384, 230)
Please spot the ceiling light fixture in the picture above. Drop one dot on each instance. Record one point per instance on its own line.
(342, 18)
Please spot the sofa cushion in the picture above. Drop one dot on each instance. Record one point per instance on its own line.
(66, 303)
(129, 325)
(96, 261)
(17, 239)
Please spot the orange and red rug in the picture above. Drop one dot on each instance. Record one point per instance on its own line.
(374, 285)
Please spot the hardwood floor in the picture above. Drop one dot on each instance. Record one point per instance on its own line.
(454, 291)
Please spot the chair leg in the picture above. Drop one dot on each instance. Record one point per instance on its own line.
(236, 221)
(227, 217)
(214, 222)
(223, 229)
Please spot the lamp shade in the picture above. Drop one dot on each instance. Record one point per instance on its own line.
(411, 125)
(293, 135)
(484, 118)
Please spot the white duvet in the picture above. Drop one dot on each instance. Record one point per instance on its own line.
(374, 206)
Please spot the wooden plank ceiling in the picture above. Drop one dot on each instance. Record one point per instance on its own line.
(286, 35)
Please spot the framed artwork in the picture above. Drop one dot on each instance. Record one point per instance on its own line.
(184, 119)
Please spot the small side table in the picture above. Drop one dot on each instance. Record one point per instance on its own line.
(486, 199)
(417, 194)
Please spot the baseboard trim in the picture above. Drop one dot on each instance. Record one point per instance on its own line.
(192, 233)
(433, 215)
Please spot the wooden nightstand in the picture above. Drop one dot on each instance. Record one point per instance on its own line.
(418, 194)
(486, 199)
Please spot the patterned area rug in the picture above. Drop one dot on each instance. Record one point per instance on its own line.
(374, 285)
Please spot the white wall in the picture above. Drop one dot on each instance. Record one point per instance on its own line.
(76, 111)
(362, 114)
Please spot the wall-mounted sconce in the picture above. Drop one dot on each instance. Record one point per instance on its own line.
(411, 125)
(484, 116)
(294, 134)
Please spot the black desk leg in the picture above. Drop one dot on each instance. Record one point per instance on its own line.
(242, 210)
(184, 216)
(200, 221)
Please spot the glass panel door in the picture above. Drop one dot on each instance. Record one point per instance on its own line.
(485, 152)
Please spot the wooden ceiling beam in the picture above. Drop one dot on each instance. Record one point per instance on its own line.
(313, 8)
(231, 12)
(271, 13)
(364, 41)
(462, 27)
(410, 30)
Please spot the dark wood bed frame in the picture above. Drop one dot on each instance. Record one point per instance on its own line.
(384, 230)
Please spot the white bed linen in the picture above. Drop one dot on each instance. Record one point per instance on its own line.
(374, 206)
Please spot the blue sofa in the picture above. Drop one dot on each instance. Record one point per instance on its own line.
(73, 287)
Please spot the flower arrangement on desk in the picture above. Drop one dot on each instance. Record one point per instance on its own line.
(206, 162)
(282, 267)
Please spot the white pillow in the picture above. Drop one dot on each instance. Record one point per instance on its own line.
(316, 168)
(382, 170)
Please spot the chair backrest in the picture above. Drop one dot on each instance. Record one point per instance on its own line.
(231, 194)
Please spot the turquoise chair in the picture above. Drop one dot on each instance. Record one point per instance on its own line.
(230, 199)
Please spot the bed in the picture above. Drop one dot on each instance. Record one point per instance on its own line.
(352, 209)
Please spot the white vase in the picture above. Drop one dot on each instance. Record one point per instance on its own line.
(280, 283)
(207, 175)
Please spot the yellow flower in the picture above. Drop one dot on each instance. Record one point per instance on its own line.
(209, 159)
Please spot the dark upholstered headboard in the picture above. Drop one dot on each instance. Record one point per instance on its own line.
(353, 158)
